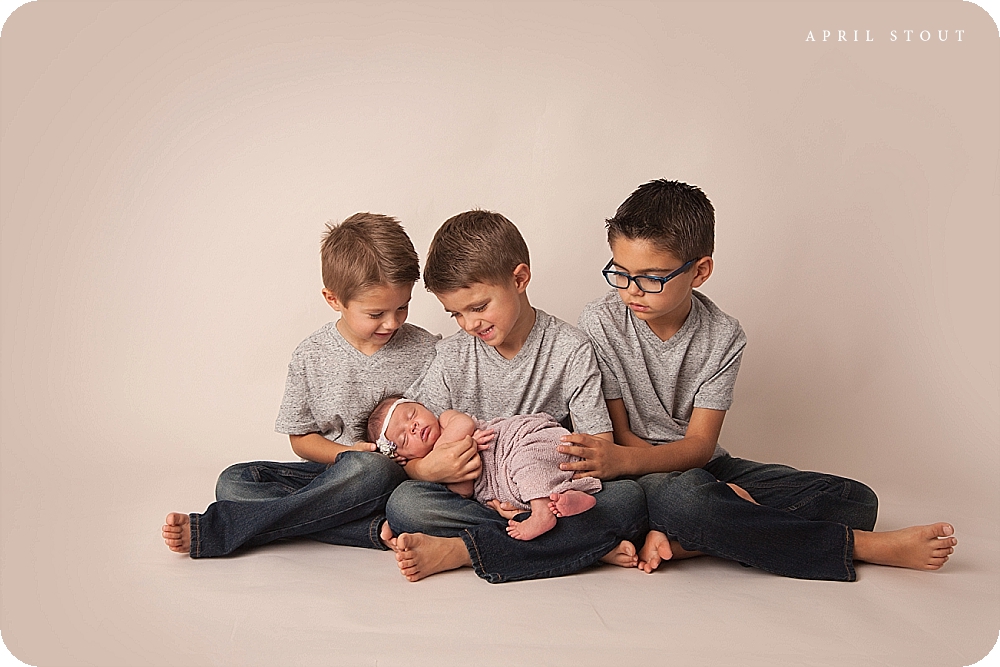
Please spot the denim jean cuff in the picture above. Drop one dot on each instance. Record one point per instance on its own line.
(849, 555)
(477, 559)
(375, 532)
(523, 573)
(195, 549)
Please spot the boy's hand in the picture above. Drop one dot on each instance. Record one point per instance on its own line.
(371, 447)
(506, 510)
(601, 459)
(448, 463)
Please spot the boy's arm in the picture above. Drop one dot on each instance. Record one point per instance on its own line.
(623, 431)
(606, 460)
(314, 447)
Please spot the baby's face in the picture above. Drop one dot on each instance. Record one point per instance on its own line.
(414, 429)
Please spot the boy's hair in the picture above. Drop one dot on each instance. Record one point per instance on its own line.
(671, 215)
(365, 250)
(372, 425)
(473, 247)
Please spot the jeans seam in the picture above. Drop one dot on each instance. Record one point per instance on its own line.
(477, 559)
(802, 503)
(255, 472)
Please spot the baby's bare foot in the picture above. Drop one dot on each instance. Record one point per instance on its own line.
(540, 521)
(916, 547)
(571, 502)
(623, 555)
(654, 551)
(419, 555)
(177, 532)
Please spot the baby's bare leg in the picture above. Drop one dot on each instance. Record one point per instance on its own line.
(541, 521)
(571, 502)
(177, 532)
(916, 547)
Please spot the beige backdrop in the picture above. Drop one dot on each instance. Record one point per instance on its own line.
(167, 170)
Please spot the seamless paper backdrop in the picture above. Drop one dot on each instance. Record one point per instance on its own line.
(167, 170)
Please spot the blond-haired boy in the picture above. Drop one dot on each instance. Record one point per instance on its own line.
(509, 358)
(338, 494)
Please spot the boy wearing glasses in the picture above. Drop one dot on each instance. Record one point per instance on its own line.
(669, 359)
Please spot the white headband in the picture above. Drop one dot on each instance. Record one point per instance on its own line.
(386, 446)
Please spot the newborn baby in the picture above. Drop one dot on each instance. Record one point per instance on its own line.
(521, 466)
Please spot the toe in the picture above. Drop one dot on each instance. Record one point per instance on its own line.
(943, 529)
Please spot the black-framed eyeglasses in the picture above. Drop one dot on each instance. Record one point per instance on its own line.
(648, 284)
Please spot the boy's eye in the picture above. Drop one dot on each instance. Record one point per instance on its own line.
(375, 316)
(479, 309)
(404, 307)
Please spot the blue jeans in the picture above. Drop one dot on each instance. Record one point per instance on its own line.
(803, 526)
(260, 502)
(576, 541)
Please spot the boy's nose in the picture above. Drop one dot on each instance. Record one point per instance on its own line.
(633, 289)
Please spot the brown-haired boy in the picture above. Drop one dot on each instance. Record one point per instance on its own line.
(338, 494)
(508, 359)
(669, 359)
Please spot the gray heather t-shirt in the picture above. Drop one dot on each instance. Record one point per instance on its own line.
(331, 384)
(554, 372)
(661, 382)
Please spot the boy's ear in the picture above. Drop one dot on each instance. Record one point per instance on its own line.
(522, 276)
(702, 270)
(332, 299)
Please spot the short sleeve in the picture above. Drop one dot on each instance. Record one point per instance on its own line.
(431, 388)
(585, 398)
(716, 393)
(590, 325)
(295, 416)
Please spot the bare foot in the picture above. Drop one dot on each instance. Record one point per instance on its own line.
(540, 521)
(385, 534)
(419, 555)
(177, 532)
(742, 493)
(571, 502)
(916, 547)
(623, 555)
(654, 551)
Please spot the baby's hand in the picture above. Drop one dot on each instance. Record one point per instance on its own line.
(483, 438)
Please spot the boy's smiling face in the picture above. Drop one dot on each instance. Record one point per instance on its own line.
(414, 429)
(499, 315)
(665, 311)
(369, 320)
